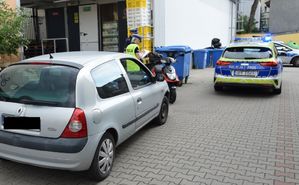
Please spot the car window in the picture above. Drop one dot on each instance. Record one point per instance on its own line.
(248, 53)
(280, 47)
(109, 80)
(51, 85)
(138, 75)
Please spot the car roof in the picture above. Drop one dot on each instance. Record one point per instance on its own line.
(78, 58)
(251, 44)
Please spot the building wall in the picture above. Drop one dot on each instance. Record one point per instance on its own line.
(284, 16)
(13, 3)
(193, 22)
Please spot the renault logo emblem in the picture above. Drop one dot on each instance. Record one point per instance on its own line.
(20, 111)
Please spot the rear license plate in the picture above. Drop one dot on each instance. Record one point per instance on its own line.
(246, 73)
(22, 123)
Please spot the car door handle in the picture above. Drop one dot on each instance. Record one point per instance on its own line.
(139, 100)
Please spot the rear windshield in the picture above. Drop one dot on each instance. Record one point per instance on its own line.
(49, 85)
(248, 53)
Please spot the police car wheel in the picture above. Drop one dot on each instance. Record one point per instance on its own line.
(218, 88)
(277, 91)
(296, 62)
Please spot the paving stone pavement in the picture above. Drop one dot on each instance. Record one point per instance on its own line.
(242, 137)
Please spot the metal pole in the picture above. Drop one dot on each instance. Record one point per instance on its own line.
(42, 41)
(67, 44)
(54, 45)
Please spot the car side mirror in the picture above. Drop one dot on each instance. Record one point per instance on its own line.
(282, 53)
(159, 77)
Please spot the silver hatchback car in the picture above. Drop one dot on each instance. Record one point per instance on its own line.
(70, 110)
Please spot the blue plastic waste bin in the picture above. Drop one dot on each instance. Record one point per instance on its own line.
(216, 54)
(200, 58)
(183, 56)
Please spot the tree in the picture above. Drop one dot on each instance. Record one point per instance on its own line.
(245, 27)
(11, 27)
(251, 23)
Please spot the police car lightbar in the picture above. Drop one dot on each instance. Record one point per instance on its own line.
(265, 38)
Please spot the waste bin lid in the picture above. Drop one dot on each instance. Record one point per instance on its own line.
(185, 49)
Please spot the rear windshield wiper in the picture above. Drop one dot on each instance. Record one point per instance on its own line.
(38, 102)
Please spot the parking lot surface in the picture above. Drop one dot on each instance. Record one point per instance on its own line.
(246, 136)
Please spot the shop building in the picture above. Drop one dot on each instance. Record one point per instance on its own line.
(68, 25)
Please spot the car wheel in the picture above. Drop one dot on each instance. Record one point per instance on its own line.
(172, 96)
(277, 91)
(296, 62)
(103, 159)
(163, 115)
(180, 83)
(218, 88)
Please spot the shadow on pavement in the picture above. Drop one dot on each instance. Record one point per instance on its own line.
(246, 92)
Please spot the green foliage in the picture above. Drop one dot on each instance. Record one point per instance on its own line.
(11, 27)
(246, 25)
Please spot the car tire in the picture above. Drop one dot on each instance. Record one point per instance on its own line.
(277, 91)
(218, 88)
(163, 114)
(180, 83)
(296, 62)
(172, 96)
(103, 159)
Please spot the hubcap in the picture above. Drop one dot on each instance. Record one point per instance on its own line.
(106, 156)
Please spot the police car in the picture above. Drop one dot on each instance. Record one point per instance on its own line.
(287, 54)
(249, 62)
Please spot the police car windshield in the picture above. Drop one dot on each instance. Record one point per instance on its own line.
(248, 53)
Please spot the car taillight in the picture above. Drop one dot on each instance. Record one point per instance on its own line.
(77, 127)
(269, 64)
(222, 63)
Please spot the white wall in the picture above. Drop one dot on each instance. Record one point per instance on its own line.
(192, 22)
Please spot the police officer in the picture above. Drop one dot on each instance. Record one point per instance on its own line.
(133, 48)
(129, 39)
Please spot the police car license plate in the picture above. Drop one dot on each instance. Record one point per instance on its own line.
(246, 73)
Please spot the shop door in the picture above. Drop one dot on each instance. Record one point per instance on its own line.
(88, 18)
(73, 28)
(55, 29)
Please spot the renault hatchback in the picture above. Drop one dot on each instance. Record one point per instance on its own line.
(249, 63)
(70, 110)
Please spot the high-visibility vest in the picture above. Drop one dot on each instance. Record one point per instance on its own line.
(131, 49)
(132, 66)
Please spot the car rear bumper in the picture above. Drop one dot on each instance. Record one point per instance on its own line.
(55, 160)
(63, 145)
(269, 82)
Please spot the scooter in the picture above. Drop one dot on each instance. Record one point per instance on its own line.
(163, 65)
